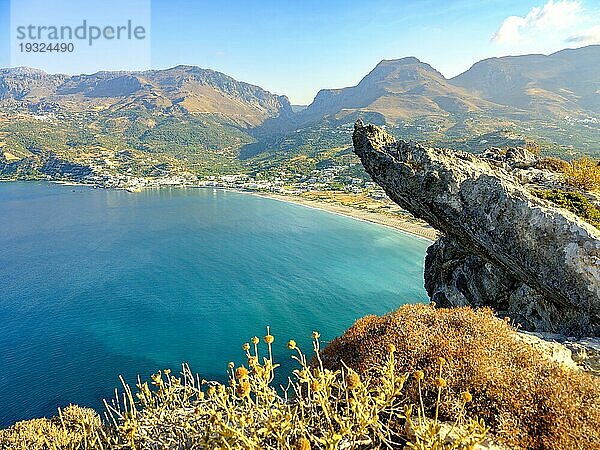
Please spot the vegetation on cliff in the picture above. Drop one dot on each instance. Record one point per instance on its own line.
(575, 202)
(319, 408)
(416, 378)
(582, 174)
(529, 401)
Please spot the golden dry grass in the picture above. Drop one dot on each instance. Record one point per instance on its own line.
(418, 378)
(529, 401)
(583, 173)
(74, 428)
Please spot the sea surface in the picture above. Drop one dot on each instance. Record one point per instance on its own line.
(96, 283)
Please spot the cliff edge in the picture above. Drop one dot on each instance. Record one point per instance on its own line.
(502, 246)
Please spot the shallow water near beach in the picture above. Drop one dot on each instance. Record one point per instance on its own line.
(95, 283)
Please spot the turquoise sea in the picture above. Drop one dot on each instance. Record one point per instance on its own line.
(95, 283)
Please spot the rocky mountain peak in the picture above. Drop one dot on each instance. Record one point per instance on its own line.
(408, 69)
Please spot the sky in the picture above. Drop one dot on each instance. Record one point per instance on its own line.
(296, 47)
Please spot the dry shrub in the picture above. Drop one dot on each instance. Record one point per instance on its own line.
(74, 428)
(320, 409)
(583, 173)
(529, 401)
(553, 164)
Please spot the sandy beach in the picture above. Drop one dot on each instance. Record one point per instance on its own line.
(406, 225)
(396, 222)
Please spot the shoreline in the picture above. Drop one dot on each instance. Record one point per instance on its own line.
(396, 223)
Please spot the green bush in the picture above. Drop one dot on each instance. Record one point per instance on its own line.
(574, 202)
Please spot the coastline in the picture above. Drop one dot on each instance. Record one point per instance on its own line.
(395, 223)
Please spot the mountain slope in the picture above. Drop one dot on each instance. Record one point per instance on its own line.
(208, 122)
(557, 84)
(182, 89)
(186, 117)
(400, 89)
(554, 99)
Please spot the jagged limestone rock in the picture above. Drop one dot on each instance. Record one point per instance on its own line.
(502, 246)
(456, 278)
(584, 353)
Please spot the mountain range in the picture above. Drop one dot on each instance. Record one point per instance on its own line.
(208, 121)
(181, 89)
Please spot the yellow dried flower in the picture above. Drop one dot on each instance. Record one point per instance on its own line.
(352, 380)
(291, 344)
(243, 389)
(130, 430)
(211, 391)
(269, 339)
(258, 370)
(246, 419)
(302, 444)
(246, 347)
(241, 373)
(252, 361)
(316, 335)
(441, 361)
(255, 340)
(440, 382)
(466, 397)
(419, 375)
(231, 365)
(391, 348)
(315, 386)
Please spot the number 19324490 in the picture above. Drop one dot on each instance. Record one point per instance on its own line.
(42, 47)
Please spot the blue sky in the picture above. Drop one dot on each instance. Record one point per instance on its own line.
(296, 47)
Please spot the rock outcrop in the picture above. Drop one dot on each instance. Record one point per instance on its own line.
(502, 246)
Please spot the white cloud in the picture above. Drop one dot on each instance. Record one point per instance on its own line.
(552, 16)
(510, 30)
(588, 37)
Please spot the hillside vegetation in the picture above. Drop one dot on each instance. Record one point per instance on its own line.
(319, 408)
(206, 122)
(418, 377)
(528, 401)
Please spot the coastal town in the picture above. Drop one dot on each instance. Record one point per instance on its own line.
(335, 189)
